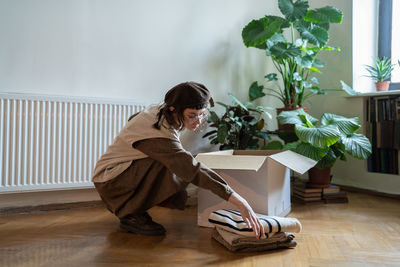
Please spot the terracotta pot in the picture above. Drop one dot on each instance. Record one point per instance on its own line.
(287, 127)
(318, 178)
(382, 86)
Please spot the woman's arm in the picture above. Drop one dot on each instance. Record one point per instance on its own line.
(180, 162)
(248, 214)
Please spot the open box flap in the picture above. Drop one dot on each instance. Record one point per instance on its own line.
(294, 161)
(230, 162)
(219, 152)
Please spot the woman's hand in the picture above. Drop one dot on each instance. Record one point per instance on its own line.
(248, 214)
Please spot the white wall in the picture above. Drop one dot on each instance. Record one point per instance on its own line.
(126, 49)
(365, 44)
(338, 65)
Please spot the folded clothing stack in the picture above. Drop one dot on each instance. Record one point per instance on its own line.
(232, 232)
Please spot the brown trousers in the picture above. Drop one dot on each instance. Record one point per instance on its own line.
(145, 184)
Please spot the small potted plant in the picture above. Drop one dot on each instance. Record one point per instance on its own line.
(381, 72)
(325, 141)
(240, 127)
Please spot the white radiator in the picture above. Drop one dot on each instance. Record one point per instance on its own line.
(51, 142)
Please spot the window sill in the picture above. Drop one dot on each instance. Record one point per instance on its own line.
(382, 93)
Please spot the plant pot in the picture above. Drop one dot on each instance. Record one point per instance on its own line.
(287, 127)
(382, 86)
(318, 178)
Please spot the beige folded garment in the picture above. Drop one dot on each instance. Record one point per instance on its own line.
(237, 243)
(232, 221)
(235, 239)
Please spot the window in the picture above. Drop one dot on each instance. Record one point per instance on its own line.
(389, 36)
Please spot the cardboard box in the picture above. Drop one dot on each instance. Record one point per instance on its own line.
(262, 177)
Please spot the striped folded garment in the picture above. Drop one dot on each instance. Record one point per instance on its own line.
(232, 221)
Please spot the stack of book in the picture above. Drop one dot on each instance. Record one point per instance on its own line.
(332, 194)
(301, 193)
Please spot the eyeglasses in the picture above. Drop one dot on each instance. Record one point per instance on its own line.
(201, 117)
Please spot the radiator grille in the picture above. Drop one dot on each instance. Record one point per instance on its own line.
(54, 142)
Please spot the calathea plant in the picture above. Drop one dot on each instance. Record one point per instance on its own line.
(295, 56)
(327, 139)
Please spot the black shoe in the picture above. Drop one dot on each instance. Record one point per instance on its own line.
(141, 224)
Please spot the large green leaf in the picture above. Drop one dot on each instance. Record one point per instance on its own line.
(327, 161)
(346, 126)
(315, 35)
(315, 70)
(357, 145)
(276, 38)
(307, 122)
(289, 117)
(317, 90)
(310, 151)
(271, 77)
(260, 124)
(237, 102)
(291, 146)
(305, 61)
(222, 104)
(307, 84)
(258, 31)
(297, 77)
(273, 145)
(222, 133)
(251, 144)
(321, 137)
(263, 135)
(326, 14)
(318, 63)
(324, 25)
(338, 148)
(293, 11)
(211, 134)
(331, 48)
(214, 117)
(255, 91)
(283, 51)
(348, 89)
(314, 79)
(292, 117)
(262, 109)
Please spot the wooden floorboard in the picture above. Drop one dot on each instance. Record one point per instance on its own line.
(363, 232)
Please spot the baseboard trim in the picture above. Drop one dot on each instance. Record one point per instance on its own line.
(367, 191)
(49, 207)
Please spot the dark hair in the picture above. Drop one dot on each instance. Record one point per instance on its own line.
(182, 96)
(167, 114)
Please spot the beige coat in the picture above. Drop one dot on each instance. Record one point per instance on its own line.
(120, 154)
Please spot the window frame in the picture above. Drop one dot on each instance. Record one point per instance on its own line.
(385, 34)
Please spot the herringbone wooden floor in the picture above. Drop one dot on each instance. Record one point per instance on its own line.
(364, 232)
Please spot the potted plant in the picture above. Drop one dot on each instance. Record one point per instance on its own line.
(325, 141)
(381, 72)
(295, 58)
(240, 127)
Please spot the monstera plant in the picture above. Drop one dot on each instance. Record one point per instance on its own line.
(327, 139)
(293, 42)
